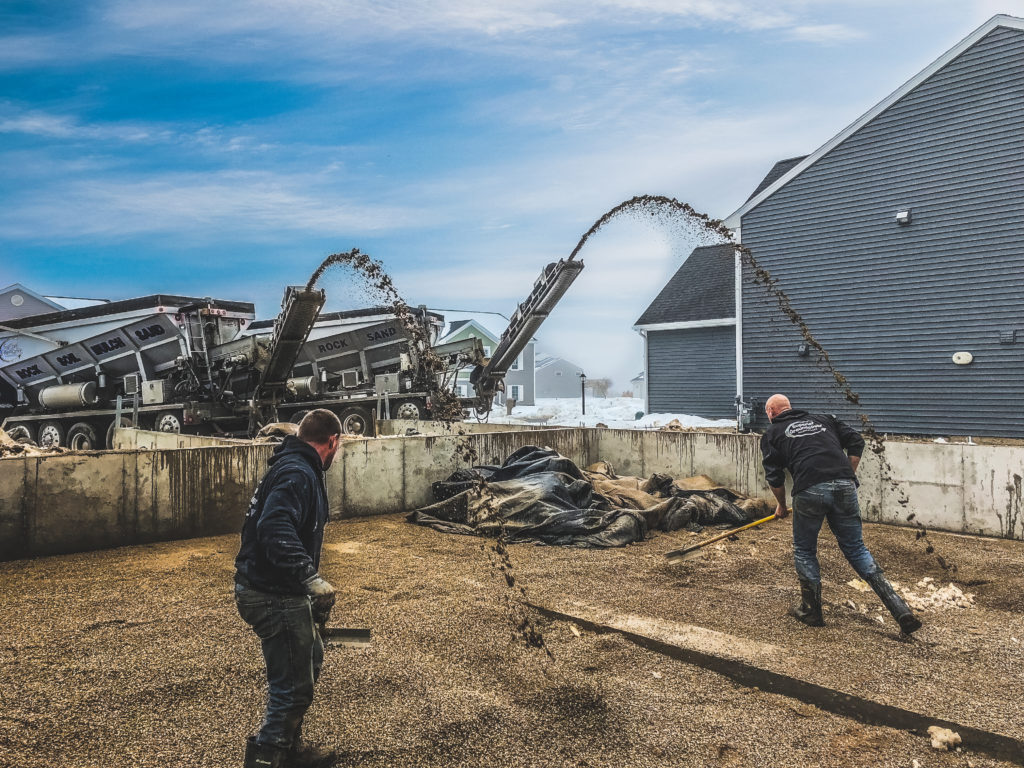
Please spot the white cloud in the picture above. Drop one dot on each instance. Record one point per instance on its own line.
(825, 33)
(219, 206)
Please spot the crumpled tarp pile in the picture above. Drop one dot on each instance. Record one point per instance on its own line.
(539, 495)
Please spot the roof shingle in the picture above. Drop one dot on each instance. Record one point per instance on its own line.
(703, 288)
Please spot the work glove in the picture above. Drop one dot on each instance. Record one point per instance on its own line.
(321, 597)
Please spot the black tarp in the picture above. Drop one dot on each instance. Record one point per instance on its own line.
(538, 495)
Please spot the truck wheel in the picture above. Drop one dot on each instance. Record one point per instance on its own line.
(82, 437)
(356, 421)
(21, 433)
(409, 410)
(298, 416)
(125, 422)
(168, 422)
(51, 435)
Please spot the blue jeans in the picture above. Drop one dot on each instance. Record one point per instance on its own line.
(835, 501)
(294, 653)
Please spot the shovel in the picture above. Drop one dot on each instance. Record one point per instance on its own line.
(679, 555)
(345, 637)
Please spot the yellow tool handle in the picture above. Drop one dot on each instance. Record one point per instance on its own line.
(724, 535)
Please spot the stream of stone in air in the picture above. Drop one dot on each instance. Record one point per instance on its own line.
(447, 409)
(674, 213)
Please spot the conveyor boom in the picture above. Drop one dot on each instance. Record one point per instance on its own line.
(299, 311)
(548, 289)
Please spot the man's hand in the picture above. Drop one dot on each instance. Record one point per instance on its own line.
(321, 597)
(779, 492)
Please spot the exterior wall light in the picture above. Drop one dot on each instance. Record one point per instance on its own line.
(803, 349)
(903, 217)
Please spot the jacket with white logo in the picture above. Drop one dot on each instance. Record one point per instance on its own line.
(815, 448)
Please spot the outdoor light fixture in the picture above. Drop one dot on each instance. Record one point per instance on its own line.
(903, 217)
(803, 349)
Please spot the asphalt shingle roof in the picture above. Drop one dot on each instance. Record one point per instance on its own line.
(702, 289)
(778, 171)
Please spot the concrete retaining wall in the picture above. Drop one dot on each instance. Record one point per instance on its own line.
(76, 502)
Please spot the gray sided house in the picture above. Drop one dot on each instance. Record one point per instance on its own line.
(519, 381)
(557, 377)
(689, 335)
(17, 301)
(901, 243)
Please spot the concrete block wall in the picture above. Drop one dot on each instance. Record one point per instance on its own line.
(76, 502)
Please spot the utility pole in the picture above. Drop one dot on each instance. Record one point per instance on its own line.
(583, 390)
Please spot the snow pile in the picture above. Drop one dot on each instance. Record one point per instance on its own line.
(943, 738)
(612, 412)
(931, 597)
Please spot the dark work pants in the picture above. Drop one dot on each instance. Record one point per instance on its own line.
(293, 652)
(836, 502)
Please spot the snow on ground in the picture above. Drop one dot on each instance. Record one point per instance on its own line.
(613, 412)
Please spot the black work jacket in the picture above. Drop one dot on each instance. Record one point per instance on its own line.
(815, 448)
(284, 526)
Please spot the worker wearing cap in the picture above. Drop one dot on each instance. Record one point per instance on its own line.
(279, 591)
(822, 454)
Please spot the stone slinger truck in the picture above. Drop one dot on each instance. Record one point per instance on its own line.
(203, 366)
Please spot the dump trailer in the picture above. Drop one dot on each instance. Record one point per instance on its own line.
(181, 364)
(373, 366)
(176, 363)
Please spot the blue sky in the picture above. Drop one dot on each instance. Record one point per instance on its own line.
(225, 148)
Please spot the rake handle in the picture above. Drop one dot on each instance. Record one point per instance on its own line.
(719, 537)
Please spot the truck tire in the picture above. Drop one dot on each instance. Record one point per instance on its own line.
(356, 421)
(407, 410)
(22, 433)
(82, 437)
(125, 422)
(297, 417)
(51, 435)
(167, 422)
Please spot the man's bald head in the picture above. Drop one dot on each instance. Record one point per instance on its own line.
(776, 404)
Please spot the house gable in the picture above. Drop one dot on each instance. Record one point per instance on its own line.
(702, 289)
(733, 221)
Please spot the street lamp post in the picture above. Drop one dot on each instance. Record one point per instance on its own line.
(583, 390)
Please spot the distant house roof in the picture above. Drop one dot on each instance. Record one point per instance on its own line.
(476, 328)
(639, 377)
(29, 292)
(765, 191)
(543, 361)
(704, 288)
(778, 170)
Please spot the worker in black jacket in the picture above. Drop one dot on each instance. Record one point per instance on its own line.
(279, 591)
(822, 454)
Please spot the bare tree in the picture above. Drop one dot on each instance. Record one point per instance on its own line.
(600, 387)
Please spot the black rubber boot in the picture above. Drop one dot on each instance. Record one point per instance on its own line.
(897, 607)
(808, 610)
(263, 755)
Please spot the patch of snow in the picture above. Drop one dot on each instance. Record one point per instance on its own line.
(613, 412)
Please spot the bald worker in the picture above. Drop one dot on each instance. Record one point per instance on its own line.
(822, 454)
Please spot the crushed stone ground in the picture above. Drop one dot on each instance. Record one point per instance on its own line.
(136, 656)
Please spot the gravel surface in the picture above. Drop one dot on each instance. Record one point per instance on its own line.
(136, 657)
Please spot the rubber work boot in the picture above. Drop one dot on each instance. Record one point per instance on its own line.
(263, 755)
(897, 607)
(308, 756)
(808, 610)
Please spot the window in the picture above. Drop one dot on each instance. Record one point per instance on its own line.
(558, 373)
(463, 390)
(517, 364)
(487, 350)
(514, 392)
